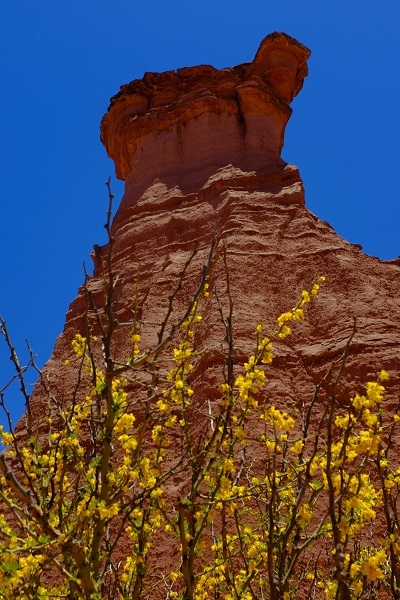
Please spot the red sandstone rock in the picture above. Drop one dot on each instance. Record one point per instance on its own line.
(182, 126)
(200, 152)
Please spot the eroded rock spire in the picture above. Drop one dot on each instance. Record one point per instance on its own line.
(180, 126)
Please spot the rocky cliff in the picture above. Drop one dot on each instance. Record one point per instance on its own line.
(199, 149)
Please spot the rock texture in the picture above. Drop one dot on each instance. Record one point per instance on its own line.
(199, 149)
(182, 126)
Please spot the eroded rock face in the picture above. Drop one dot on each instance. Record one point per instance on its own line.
(181, 126)
(200, 151)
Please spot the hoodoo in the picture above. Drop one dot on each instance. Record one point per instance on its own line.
(199, 150)
(173, 485)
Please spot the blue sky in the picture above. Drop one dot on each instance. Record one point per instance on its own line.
(62, 61)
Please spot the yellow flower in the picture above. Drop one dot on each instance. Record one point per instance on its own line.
(305, 512)
(280, 420)
(287, 316)
(297, 447)
(79, 344)
(372, 566)
(6, 438)
(107, 512)
(125, 422)
(284, 332)
(342, 421)
(383, 375)
(156, 433)
(163, 405)
(375, 392)
(241, 435)
(298, 314)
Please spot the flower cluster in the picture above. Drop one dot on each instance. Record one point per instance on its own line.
(247, 493)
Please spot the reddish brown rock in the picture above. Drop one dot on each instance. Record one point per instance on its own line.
(200, 151)
(183, 126)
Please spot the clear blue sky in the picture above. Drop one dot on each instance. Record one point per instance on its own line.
(61, 62)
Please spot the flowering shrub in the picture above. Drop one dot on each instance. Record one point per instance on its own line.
(100, 477)
(259, 504)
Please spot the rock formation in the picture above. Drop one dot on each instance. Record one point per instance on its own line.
(199, 149)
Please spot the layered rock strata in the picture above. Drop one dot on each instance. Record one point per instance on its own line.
(199, 149)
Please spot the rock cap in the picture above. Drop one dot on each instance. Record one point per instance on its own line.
(152, 124)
